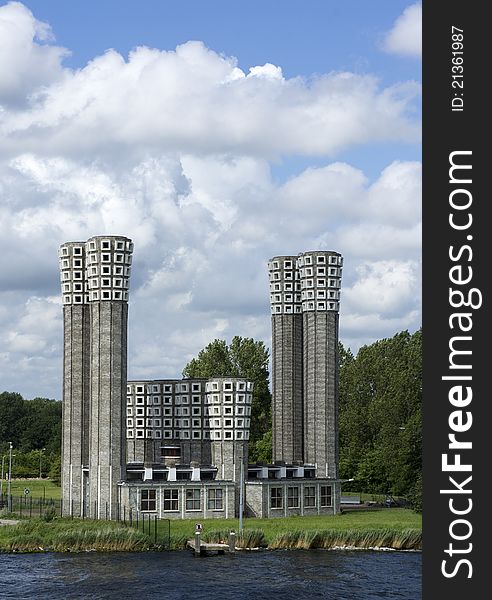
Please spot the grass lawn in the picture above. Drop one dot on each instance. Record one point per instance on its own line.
(386, 518)
(39, 488)
(394, 527)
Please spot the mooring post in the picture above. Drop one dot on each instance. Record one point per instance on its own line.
(232, 542)
(197, 543)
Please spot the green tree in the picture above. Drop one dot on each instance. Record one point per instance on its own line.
(244, 357)
(33, 426)
(41, 425)
(12, 411)
(262, 450)
(380, 415)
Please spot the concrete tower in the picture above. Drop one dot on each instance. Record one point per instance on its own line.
(320, 275)
(108, 272)
(304, 297)
(76, 366)
(95, 277)
(287, 396)
(228, 406)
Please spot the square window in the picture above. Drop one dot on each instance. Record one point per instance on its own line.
(276, 497)
(309, 496)
(215, 499)
(325, 495)
(171, 500)
(148, 500)
(193, 499)
(293, 497)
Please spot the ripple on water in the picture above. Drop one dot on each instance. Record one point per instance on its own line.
(289, 574)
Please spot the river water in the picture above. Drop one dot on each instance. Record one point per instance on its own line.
(282, 574)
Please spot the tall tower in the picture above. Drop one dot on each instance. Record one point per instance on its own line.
(320, 275)
(95, 277)
(287, 410)
(76, 365)
(108, 271)
(304, 297)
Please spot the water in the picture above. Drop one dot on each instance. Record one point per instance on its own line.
(284, 574)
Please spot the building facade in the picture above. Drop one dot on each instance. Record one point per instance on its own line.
(178, 448)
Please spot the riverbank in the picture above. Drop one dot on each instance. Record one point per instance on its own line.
(399, 529)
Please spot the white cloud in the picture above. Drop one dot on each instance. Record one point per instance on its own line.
(193, 100)
(25, 64)
(405, 37)
(173, 149)
(197, 274)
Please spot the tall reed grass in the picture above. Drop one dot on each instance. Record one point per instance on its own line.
(36, 535)
(248, 538)
(407, 539)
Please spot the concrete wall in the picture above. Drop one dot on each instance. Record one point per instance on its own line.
(320, 344)
(287, 383)
(108, 401)
(131, 499)
(75, 407)
(258, 502)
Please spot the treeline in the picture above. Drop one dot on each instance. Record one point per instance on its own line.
(34, 428)
(380, 417)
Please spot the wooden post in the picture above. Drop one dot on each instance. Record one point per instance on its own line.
(232, 542)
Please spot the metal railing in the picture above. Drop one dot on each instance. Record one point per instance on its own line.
(159, 530)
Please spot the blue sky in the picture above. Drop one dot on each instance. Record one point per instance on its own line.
(215, 135)
(305, 38)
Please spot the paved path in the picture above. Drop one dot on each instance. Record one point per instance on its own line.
(8, 522)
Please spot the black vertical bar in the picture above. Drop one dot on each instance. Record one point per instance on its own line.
(456, 277)
(155, 529)
(30, 507)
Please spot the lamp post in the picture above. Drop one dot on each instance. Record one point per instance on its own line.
(1, 480)
(9, 497)
(40, 457)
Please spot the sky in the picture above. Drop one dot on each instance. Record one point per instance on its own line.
(216, 135)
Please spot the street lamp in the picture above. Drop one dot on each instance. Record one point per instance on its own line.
(40, 457)
(9, 497)
(1, 480)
